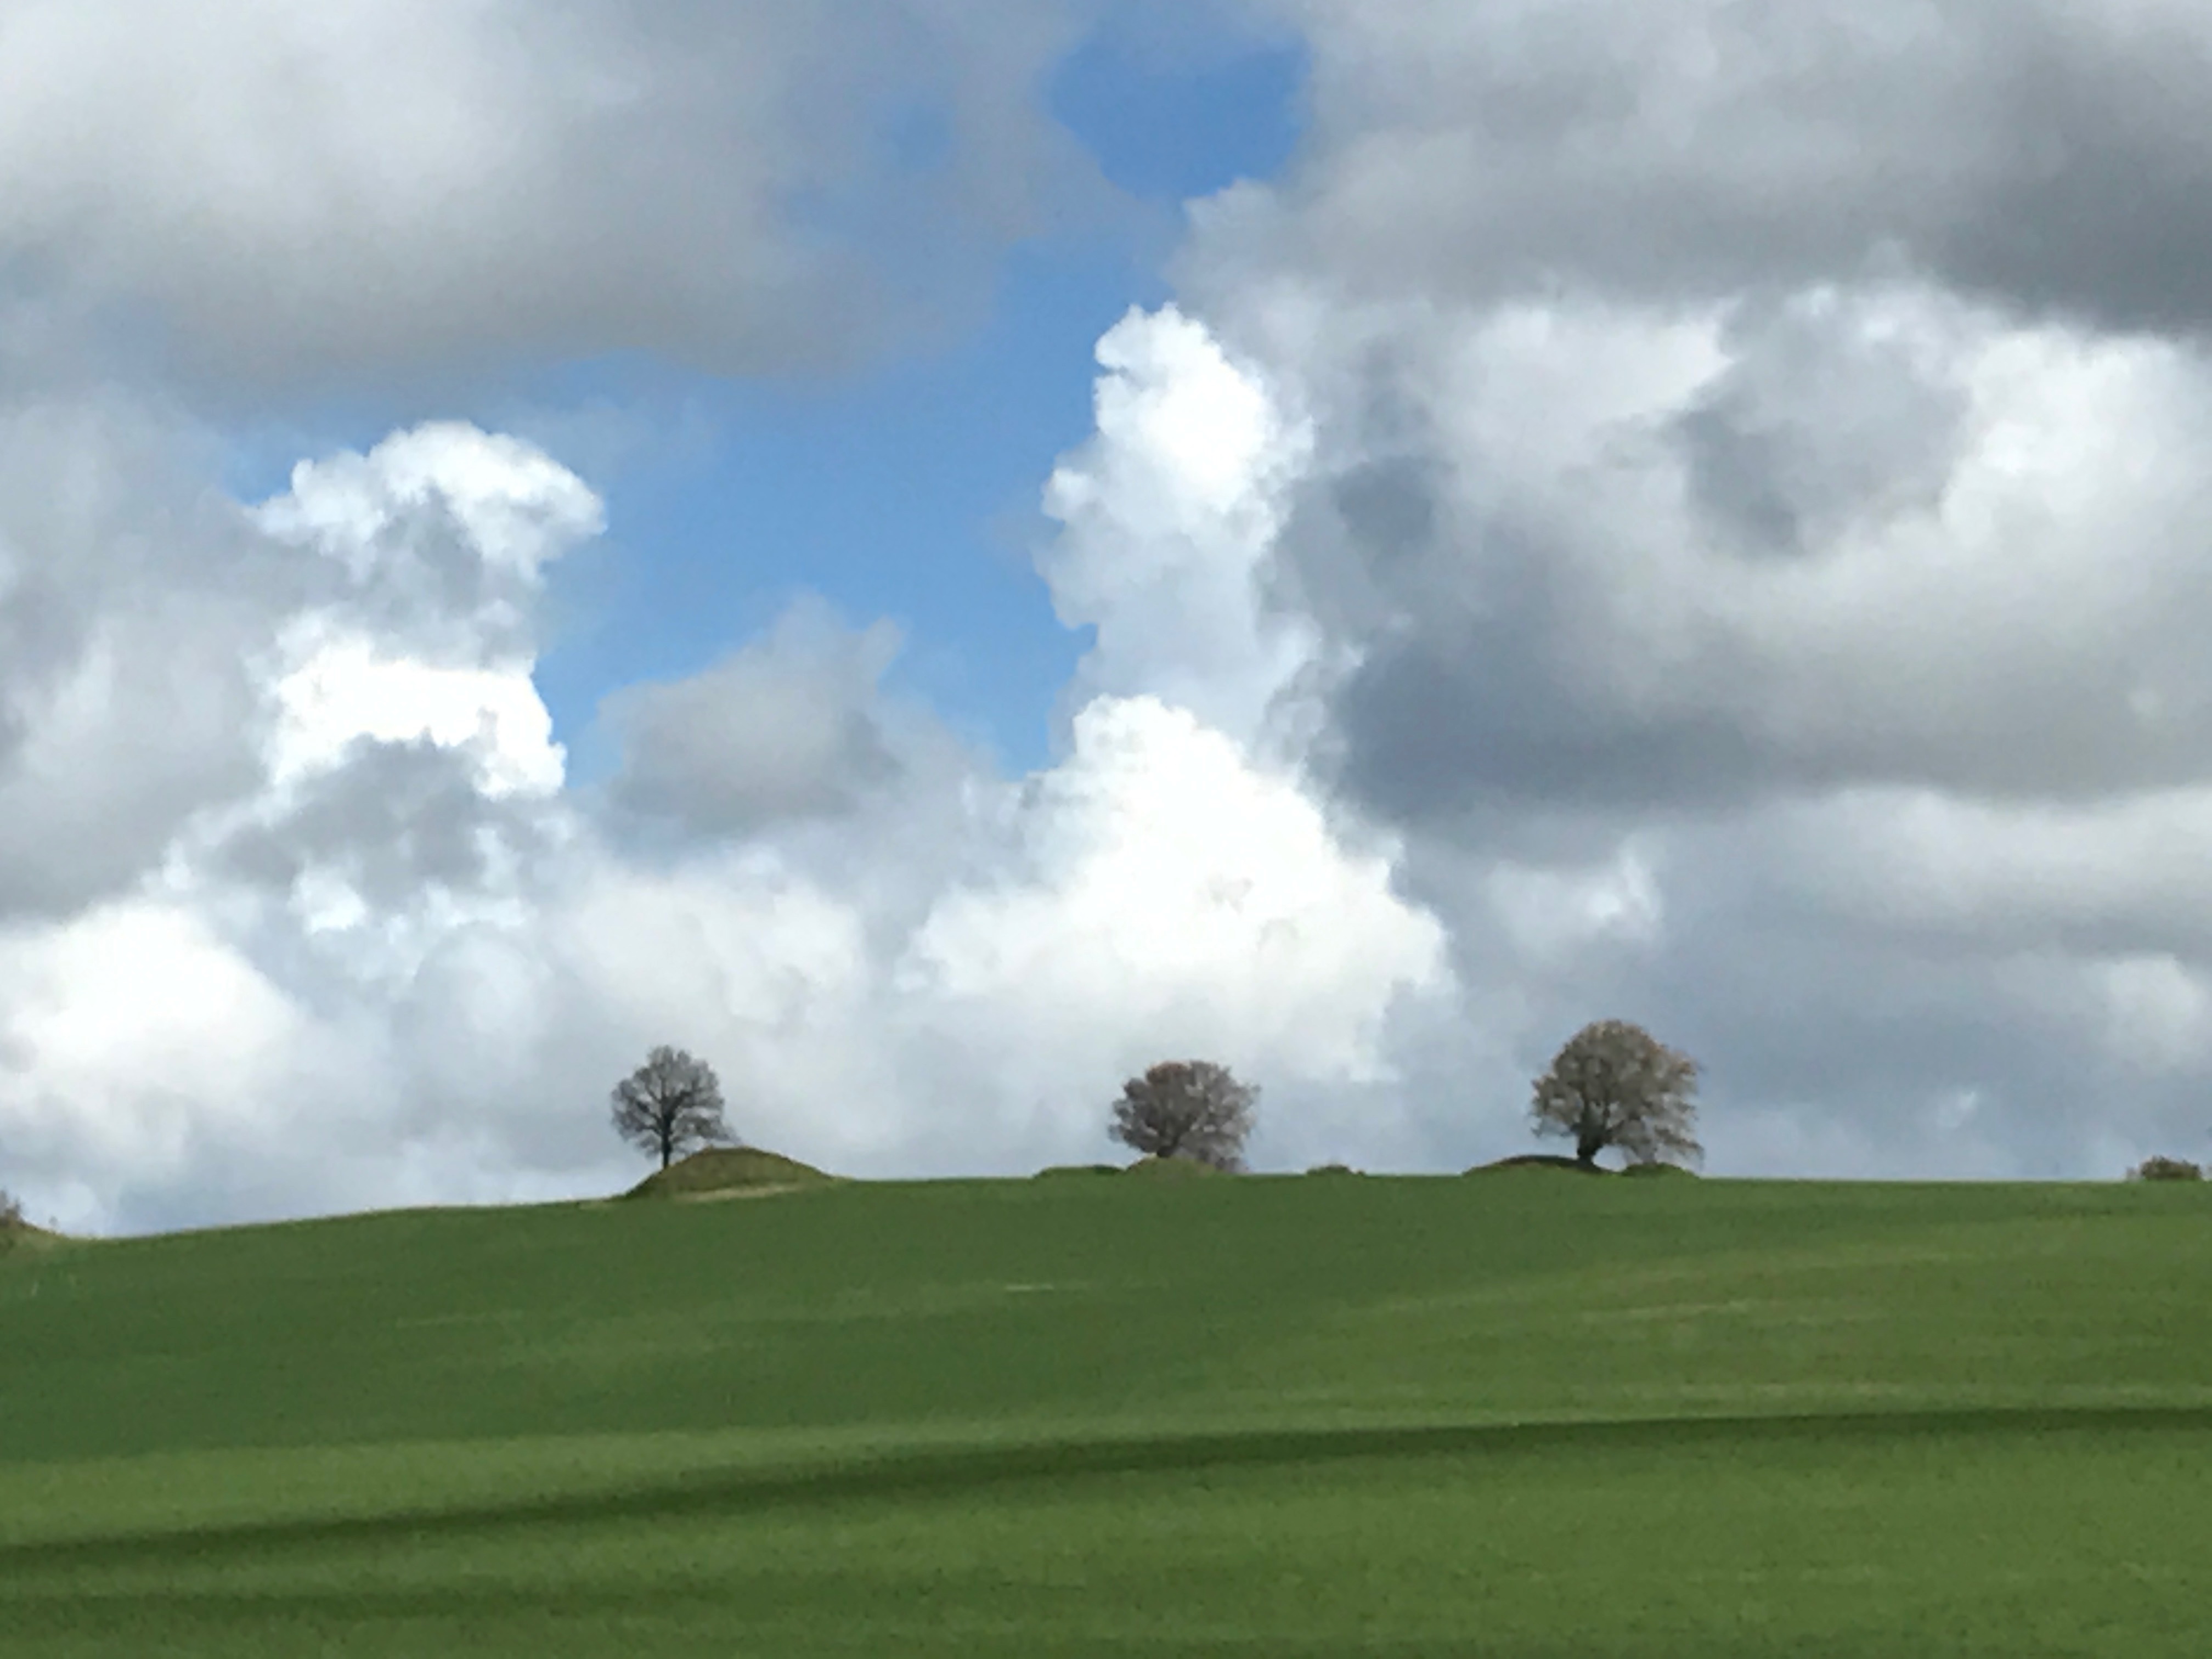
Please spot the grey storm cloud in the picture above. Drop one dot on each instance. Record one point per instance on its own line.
(1980, 1049)
(1811, 564)
(391, 818)
(1755, 524)
(786, 728)
(131, 601)
(1840, 1036)
(1812, 429)
(310, 193)
(2034, 153)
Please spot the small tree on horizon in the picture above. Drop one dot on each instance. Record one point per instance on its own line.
(15, 1225)
(1615, 1085)
(670, 1105)
(1189, 1109)
(2165, 1169)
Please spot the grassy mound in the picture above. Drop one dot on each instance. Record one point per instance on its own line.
(1649, 1170)
(22, 1235)
(1333, 1169)
(1172, 1168)
(1060, 1170)
(1538, 1161)
(729, 1172)
(16, 1233)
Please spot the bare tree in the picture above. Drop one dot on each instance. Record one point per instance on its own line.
(1615, 1085)
(1188, 1109)
(670, 1105)
(15, 1226)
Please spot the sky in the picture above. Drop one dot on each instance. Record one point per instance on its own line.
(937, 552)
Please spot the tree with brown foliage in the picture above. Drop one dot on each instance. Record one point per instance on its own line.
(1189, 1109)
(670, 1105)
(1615, 1085)
(2165, 1169)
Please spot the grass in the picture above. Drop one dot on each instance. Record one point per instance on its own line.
(1254, 1417)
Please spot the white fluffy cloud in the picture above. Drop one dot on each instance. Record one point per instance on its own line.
(1174, 896)
(1170, 515)
(399, 960)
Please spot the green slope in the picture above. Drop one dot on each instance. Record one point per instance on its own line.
(1258, 1416)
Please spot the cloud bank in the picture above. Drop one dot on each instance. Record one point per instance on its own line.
(1753, 518)
(384, 954)
(277, 196)
(1702, 527)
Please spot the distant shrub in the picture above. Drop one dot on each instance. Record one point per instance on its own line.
(11, 1212)
(1332, 1169)
(1658, 1168)
(2165, 1169)
(1059, 1170)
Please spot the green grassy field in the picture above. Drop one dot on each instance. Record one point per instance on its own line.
(1517, 1415)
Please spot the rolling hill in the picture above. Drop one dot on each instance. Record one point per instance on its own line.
(1260, 1416)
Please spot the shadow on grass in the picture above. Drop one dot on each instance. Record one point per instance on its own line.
(956, 1471)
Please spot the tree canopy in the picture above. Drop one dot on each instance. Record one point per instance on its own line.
(670, 1105)
(2165, 1169)
(1187, 1108)
(1615, 1085)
